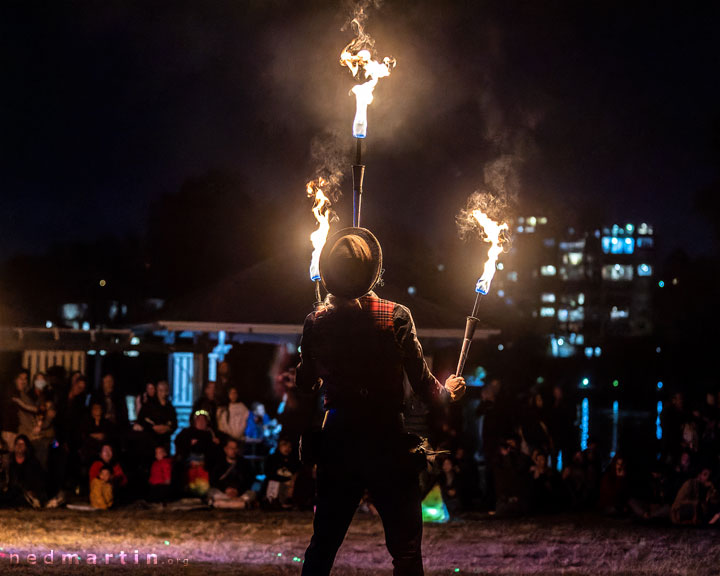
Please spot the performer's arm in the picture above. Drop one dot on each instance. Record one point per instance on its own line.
(306, 375)
(423, 383)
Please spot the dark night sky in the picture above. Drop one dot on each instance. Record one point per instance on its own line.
(607, 107)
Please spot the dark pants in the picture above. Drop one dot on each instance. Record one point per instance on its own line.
(391, 476)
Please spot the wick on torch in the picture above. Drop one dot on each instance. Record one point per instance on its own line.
(492, 233)
(321, 211)
(357, 57)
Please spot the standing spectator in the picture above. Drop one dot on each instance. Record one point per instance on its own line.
(71, 418)
(208, 403)
(101, 489)
(232, 419)
(150, 395)
(10, 417)
(560, 421)
(159, 418)
(115, 409)
(97, 431)
(224, 381)
(25, 406)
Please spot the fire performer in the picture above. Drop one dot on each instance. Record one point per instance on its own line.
(355, 349)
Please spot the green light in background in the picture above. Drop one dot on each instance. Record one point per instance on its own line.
(616, 383)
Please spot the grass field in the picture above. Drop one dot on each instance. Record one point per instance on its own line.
(213, 542)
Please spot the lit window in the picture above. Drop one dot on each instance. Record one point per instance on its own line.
(598, 351)
(548, 270)
(580, 340)
(645, 242)
(629, 246)
(521, 220)
(520, 229)
(644, 270)
(542, 220)
(581, 299)
(529, 229)
(512, 276)
(549, 242)
(562, 315)
(548, 297)
(577, 315)
(573, 258)
(619, 313)
(588, 352)
(617, 272)
(629, 228)
(501, 293)
(532, 221)
(547, 312)
(500, 266)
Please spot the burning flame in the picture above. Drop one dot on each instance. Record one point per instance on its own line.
(322, 212)
(492, 233)
(361, 60)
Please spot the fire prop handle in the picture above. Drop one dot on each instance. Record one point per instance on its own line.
(358, 173)
(471, 323)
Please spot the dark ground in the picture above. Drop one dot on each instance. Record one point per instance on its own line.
(260, 543)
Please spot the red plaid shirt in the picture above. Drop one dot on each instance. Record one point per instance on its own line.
(356, 352)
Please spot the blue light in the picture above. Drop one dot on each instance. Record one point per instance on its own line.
(661, 283)
(659, 385)
(315, 278)
(658, 424)
(584, 424)
(585, 381)
(615, 419)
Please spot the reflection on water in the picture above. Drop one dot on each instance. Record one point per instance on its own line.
(615, 421)
(584, 423)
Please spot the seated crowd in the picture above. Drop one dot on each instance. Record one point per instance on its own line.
(62, 444)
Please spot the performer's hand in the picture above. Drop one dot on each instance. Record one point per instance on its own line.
(455, 385)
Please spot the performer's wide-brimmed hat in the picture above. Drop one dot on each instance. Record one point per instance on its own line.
(351, 262)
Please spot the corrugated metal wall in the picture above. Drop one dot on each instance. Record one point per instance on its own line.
(40, 360)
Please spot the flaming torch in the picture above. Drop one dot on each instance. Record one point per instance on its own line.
(358, 58)
(492, 233)
(321, 211)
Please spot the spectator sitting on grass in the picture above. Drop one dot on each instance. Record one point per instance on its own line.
(160, 481)
(231, 479)
(198, 439)
(101, 489)
(281, 469)
(26, 479)
(119, 478)
(614, 488)
(697, 501)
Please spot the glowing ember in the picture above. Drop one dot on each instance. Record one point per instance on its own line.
(492, 232)
(321, 210)
(359, 59)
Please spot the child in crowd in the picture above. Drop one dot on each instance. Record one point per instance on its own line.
(160, 480)
(281, 469)
(101, 489)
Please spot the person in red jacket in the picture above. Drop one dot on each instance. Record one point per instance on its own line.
(160, 480)
(119, 478)
(357, 349)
